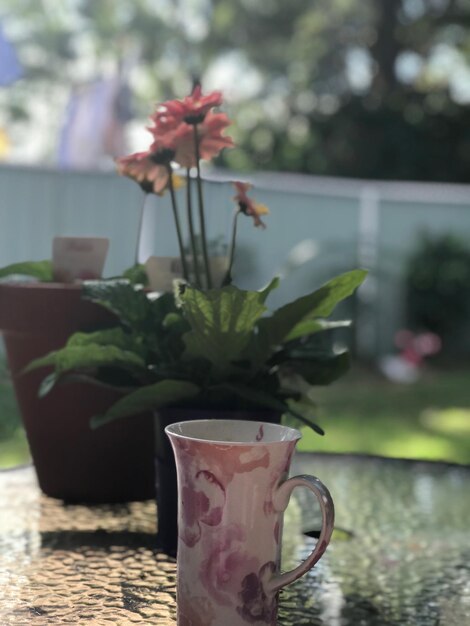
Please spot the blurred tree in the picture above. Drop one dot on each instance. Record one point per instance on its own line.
(367, 89)
(364, 88)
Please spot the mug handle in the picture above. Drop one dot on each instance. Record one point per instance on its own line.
(280, 502)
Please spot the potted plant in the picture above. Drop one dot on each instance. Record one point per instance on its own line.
(38, 314)
(204, 348)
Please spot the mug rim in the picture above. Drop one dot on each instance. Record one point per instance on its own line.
(296, 434)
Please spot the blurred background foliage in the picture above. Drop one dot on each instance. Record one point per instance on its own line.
(438, 290)
(354, 88)
(364, 88)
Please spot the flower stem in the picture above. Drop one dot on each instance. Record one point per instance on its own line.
(201, 211)
(139, 229)
(228, 276)
(194, 249)
(177, 223)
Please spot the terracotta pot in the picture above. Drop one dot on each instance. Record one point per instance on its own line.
(111, 464)
(166, 483)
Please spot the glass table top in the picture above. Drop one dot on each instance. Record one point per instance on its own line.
(400, 554)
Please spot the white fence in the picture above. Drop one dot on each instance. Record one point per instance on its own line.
(337, 224)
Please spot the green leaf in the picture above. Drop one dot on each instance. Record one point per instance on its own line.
(221, 321)
(254, 396)
(130, 304)
(136, 309)
(47, 384)
(275, 329)
(88, 357)
(136, 275)
(273, 284)
(147, 398)
(319, 369)
(266, 400)
(93, 379)
(310, 327)
(42, 270)
(326, 298)
(43, 361)
(339, 534)
(116, 337)
(171, 319)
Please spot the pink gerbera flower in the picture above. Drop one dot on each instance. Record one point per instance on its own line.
(191, 110)
(210, 139)
(150, 170)
(249, 206)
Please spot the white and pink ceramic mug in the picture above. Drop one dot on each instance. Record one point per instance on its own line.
(233, 490)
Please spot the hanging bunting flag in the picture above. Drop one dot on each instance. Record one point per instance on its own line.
(93, 132)
(10, 67)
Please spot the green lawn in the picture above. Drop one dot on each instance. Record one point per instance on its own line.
(13, 445)
(429, 419)
(14, 450)
(361, 413)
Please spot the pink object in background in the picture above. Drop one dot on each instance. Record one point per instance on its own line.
(233, 490)
(414, 348)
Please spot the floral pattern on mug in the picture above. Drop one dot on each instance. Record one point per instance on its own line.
(225, 460)
(204, 499)
(278, 475)
(204, 484)
(227, 565)
(257, 606)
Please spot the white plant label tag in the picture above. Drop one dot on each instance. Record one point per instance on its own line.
(78, 258)
(162, 271)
